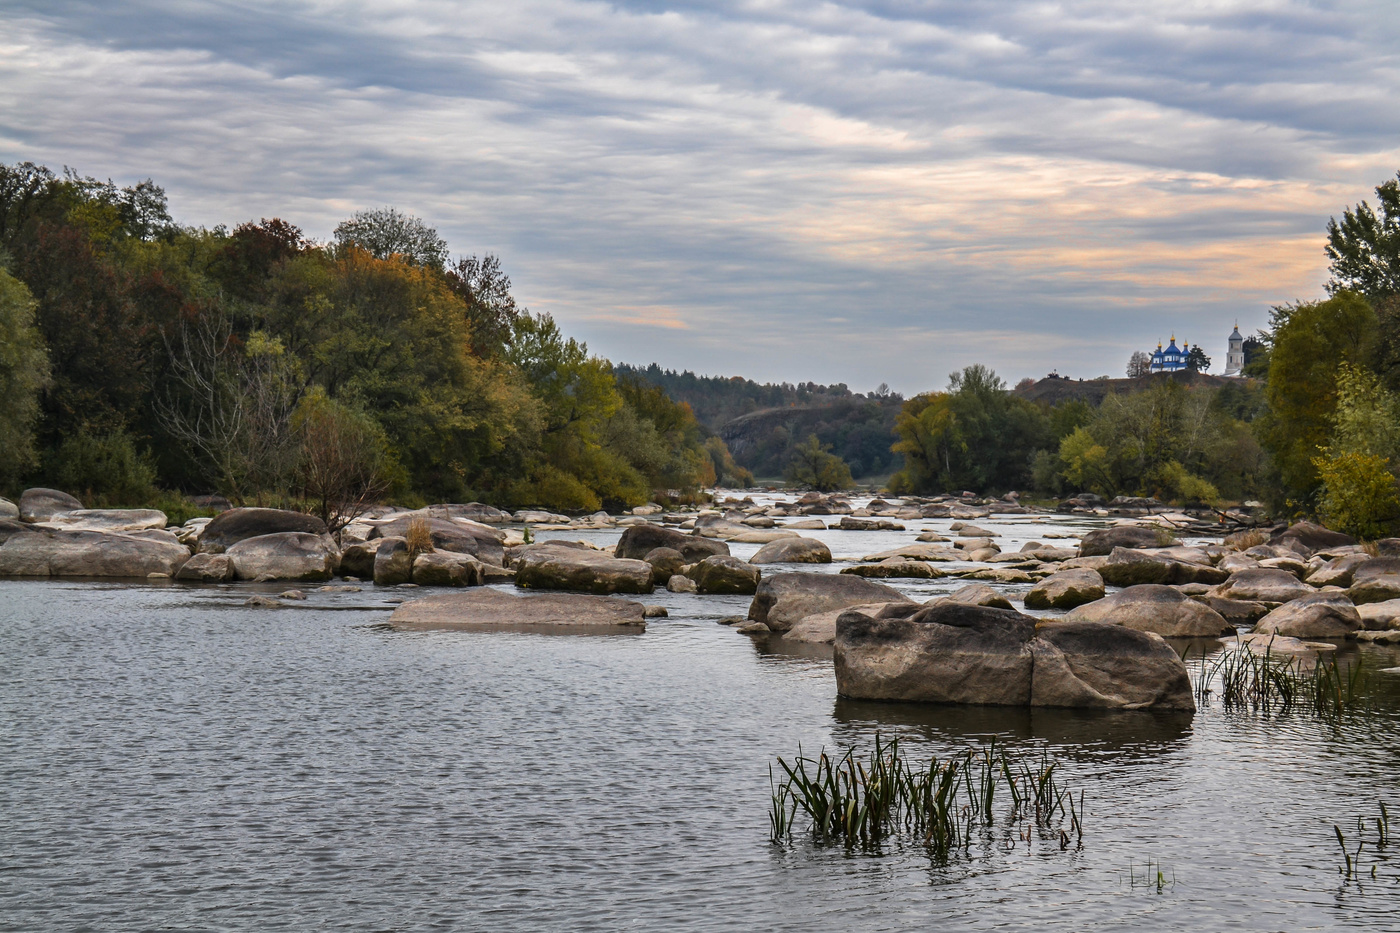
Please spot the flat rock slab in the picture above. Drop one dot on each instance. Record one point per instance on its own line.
(485, 610)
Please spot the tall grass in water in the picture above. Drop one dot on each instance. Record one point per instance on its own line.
(864, 800)
(1351, 867)
(1246, 680)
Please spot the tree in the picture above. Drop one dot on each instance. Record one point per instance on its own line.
(1139, 365)
(387, 232)
(1197, 361)
(491, 310)
(344, 462)
(24, 372)
(1365, 248)
(813, 465)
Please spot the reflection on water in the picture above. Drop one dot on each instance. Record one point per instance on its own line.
(171, 759)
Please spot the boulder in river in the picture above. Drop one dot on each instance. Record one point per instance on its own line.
(556, 567)
(1103, 541)
(639, 540)
(459, 537)
(953, 653)
(46, 552)
(1312, 537)
(1321, 615)
(1264, 584)
(284, 555)
(122, 521)
(1129, 567)
(357, 560)
(207, 568)
(1379, 617)
(784, 599)
(393, 562)
(488, 610)
(40, 504)
(447, 568)
(1066, 590)
(1237, 612)
(894, 568)
(793, 550)
(820, 628)
(1154, 608)
(228, 528)
(665, 563)
(1374, 589)
(976, 594)
(724, 575)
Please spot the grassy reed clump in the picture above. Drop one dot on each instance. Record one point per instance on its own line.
(1351, 861)
(1247, 680)
(864, 800)
(418, 537)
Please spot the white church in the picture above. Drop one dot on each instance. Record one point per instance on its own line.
(1173, 358)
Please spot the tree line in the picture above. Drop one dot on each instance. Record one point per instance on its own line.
(1314, 429)
(138, 354)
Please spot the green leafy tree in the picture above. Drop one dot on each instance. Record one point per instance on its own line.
(1358, 494)
(814, 465)
(24, 373)
(1364, 248)
(1197, 361)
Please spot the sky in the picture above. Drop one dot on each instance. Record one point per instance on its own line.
(858, 192)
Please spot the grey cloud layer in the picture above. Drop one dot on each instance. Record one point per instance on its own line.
(860, 192)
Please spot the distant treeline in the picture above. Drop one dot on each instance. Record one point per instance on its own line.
(766, 425)
(137, 353)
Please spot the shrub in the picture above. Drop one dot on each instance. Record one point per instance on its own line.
(1358, 494)
(104, 469)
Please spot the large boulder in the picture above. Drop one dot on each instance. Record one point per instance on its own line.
(665, 563)
(1321, 615)
(793, 551)
(8, 510)
(1103, 541)
(1161, 610)
(1235, 611)
(447, 568)
(1340, 571)
(954, 653)
(1375, 567)
(944, 653)
(1374, 589)
(228, 528)
(820, 628)
(115, 520)
(459, 537)
(1129, 567)
(46, 552)
(207, 568)
(357, 560)
(472, 512)
(488, 610)
(556, 567)
(1265, 585)
(1311, 536)
(284, 555)
(1380, 617)
(723, 575)
(784, 599)
(639, 540)
(1095, 666)
(393, 562)
(39, 504)
(1066, 590)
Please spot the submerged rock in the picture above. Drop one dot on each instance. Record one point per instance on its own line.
(488, 610)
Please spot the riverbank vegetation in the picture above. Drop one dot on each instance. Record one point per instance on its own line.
(138, 353)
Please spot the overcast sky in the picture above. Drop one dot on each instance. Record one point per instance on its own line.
(856, 192)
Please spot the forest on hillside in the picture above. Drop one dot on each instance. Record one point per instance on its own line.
(138, 354)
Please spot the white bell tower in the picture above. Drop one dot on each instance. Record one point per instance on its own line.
(1234, 357)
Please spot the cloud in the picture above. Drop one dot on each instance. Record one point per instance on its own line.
(860, 192)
